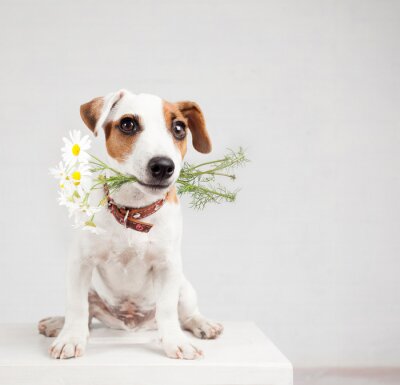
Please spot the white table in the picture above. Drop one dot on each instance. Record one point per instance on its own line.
(243, 355)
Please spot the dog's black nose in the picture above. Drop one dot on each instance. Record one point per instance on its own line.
(161, 167)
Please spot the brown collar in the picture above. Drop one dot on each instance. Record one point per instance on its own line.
(129, 216)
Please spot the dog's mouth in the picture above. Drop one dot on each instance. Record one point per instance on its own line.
(155, 186)
(152, 186)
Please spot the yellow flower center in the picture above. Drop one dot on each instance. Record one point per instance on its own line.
(76, 149)
(76, 176)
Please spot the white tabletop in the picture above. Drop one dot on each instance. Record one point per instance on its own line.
(243, 355)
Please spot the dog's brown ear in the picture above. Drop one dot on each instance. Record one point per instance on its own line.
(95, 112)
(91, 112)
(197, 125)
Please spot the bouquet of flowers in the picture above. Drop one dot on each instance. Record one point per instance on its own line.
(80, 173)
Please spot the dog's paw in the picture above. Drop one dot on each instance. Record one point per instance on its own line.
(181, 348)
(69, 344)
(203, 328)
(51, 326)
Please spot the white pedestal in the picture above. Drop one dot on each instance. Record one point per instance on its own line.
(243, 355)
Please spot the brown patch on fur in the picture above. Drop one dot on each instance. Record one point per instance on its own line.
(197, 125)
(91, 111)
(172, 196)
(119, 145)
(96, 302)
(126, 311)
(171, 113)
(51, 326)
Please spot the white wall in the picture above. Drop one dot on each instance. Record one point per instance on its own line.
(311, 88)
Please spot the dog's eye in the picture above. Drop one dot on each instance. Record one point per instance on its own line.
(128, 126)
(179, 129)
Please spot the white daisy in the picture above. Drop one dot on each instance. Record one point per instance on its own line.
(69, 201)
(76, 181)
(60, 171)
(90, 210)
(80, 179)
(87, 224)
(75, 148)
(93, 228)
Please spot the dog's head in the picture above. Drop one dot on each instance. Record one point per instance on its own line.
(146, 136)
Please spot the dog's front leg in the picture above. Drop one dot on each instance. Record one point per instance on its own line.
(71, 341)
(167, 283)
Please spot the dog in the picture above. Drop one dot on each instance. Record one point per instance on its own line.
(130, 276)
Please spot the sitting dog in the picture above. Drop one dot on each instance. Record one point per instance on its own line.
(130, 276)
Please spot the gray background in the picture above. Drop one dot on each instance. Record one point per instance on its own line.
(310, 251)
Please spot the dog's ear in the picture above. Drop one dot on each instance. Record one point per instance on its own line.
(197, 125)
(95, 112)
(91, 111)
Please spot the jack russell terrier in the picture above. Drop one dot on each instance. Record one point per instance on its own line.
(131, 275)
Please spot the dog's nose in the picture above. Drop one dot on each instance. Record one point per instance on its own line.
(161, 167)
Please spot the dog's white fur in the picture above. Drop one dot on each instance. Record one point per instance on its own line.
(138, 275)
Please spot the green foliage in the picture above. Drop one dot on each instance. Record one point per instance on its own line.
(200, 182)
(113, 181)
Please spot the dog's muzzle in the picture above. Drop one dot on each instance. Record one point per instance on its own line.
(161, 168)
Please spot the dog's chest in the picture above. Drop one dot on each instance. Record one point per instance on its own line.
(127, 257)
(123, 289)
(125, 274)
